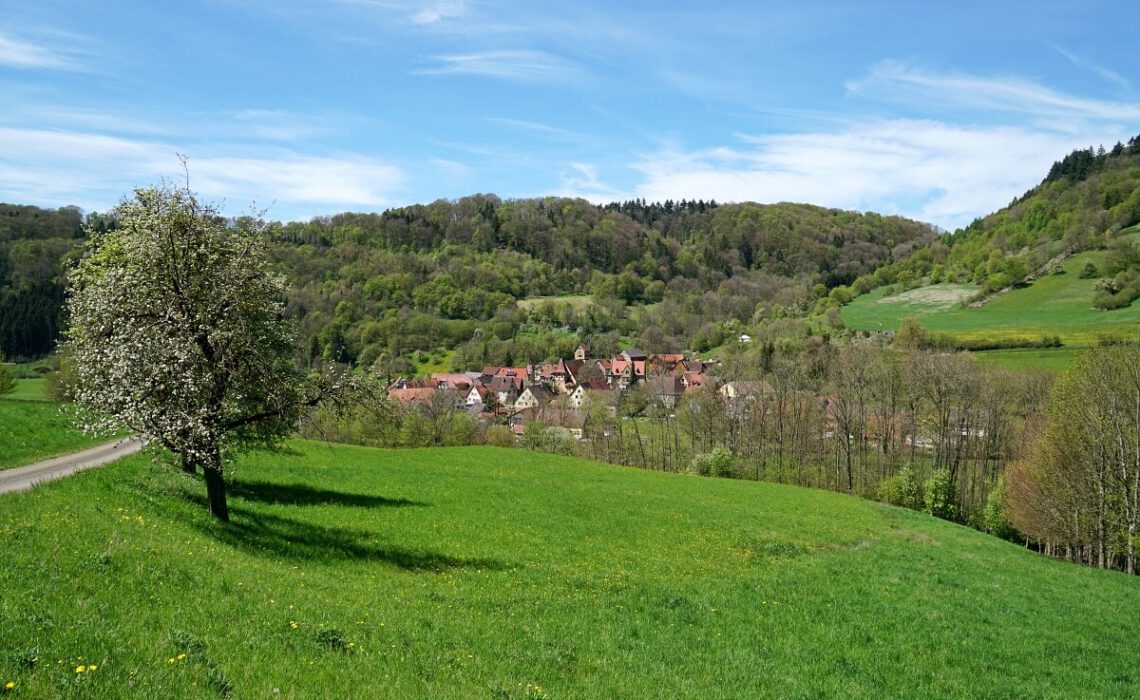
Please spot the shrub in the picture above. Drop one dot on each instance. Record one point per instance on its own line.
(719, 462)
(938, 497)
(993, 516)
(902, 489)
(1088, 271)
(498, 436)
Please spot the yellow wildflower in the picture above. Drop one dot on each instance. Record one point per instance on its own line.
(181, 656)
(80, 669)
(9, 685)
(92, 667)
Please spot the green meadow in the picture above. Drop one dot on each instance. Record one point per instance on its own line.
(483, 572)
(1055, 304)
(29, 390)
(32, 428)
(575, 301)
(1053, 359)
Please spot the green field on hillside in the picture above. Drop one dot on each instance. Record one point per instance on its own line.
(1055, 304)
(1054, 359)
(31, 430)
(29, 390)
(575, 301)
(482, 572)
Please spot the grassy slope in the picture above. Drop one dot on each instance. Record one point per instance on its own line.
(1053, 305)
(576, 301)
(475, 572)
(29, 390)
(35, 429)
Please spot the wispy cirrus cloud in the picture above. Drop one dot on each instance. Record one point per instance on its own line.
(26, 54)
(431, 12)
(438, 12)
(941, 173)
(894, 81)
(584, 180)
(275, 125)
(1085, 64)
(554, 133)
(523, 65)
(95, 170)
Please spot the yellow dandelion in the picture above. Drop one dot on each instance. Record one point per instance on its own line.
(171, 660)
(9, 685)
(80, 669)
(92, 667)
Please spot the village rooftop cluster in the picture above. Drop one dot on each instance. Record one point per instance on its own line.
(557, 394)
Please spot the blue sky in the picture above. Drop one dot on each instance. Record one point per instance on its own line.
(939, 111)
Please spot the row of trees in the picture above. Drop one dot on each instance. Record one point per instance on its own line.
(1078, 492)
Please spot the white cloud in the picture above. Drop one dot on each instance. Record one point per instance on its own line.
(275, 125)
(553, 133)
(899, 82)
(437, 12)
(95, 171)
(521, 65)
(584, 181)
(1105, 73)
(20, 53)
(942, 173)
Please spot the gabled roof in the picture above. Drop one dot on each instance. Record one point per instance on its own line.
(505, 384)
(634, 354)
(667, 385)
(540, 394)
(521, 372)
(693, 379)
(454, 380)
(620, 364)
(417, 395)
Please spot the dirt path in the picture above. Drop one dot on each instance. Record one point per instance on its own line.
(24, 478)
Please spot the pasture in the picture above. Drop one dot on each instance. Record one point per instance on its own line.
(483, 572)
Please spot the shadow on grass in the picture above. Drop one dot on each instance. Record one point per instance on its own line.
(303, 495)
(279, 537)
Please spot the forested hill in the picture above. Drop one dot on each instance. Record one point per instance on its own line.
(435, 276)
(1087, 199)
(669, 276)
(656, 241)
(33, 245)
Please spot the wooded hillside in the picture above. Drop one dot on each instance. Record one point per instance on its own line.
(367, 286)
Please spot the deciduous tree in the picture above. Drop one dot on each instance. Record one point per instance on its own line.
(178, 334)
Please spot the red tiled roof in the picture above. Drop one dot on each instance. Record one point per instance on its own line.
(413, 395)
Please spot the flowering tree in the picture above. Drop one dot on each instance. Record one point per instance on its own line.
(177, 333)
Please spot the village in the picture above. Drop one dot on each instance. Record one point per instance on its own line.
(559, 394)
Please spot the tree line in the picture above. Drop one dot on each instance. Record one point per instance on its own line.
(1053, 465)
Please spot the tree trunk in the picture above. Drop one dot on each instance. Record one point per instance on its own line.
(216, 487)
(188, 464)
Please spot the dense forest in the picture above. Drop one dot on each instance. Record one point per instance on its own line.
(385, 287)
(34, 247)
